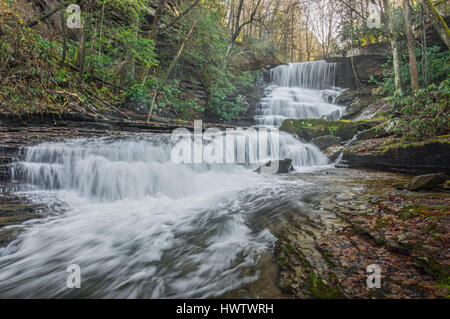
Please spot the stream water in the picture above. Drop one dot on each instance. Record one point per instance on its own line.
(141, 226)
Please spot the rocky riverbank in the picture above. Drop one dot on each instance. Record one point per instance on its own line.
(359, 219)
(367, 144)
(397, 222)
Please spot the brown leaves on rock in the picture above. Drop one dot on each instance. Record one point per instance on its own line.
(414, 236)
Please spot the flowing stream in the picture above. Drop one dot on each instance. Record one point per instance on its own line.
(141, 226)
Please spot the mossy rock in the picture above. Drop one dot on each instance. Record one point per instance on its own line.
(308, 129)
(346, 130)
(322, 289)
(400, 155)
(323, 142)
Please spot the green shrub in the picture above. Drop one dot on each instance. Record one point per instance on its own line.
(422, 115)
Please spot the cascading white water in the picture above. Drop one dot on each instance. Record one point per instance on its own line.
(108, 170)
(139, 225)
(300, 90)
(316, 75)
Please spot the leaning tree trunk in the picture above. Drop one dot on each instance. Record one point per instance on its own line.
(410, 42)
(437, 22)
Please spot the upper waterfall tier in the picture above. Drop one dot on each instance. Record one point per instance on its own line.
(317, 75)
(300, 90)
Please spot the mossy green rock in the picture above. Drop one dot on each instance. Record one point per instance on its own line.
(323, 142)
(400, 155)
(308, 129)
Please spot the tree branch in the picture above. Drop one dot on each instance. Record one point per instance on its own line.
(180, 16)
(239, 28)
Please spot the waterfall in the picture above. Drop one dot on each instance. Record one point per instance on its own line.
(316, 75)
(137, 224)
(141, 166)
(141, 226)
(300, 90)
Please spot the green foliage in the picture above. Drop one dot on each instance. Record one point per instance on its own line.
(205, 55)
(438, 69)
(171, 98)
(422, 115)
(225, 102)
(321, 289)
(123, 64)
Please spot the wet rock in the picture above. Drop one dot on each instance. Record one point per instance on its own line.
(397, 155)
(428, 181)
(354, 108)
(347, 97)
(312, 128)
(284, 166)
(358, 105)
(333, 116)
(333, 152)
(326, 141)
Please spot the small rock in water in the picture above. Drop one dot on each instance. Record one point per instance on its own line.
(284, 166)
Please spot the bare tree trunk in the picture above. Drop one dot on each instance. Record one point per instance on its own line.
(238, 16)
(91, 64)
(172, 65)
(81, 56)
(424, 46)
(410, 42)
(395, 49)
(181, 15)
(438, 23)
(292, 36)
(64, 36)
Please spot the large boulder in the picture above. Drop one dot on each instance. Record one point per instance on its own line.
(284, 166)
(307, 129)
(323, 142)
(333, 116)
(347, 96)
(356, 107)
(428, 181)
(399, 155)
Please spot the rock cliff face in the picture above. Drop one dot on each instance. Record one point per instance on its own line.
(365, 67)
(432, 35)
(395, 155)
